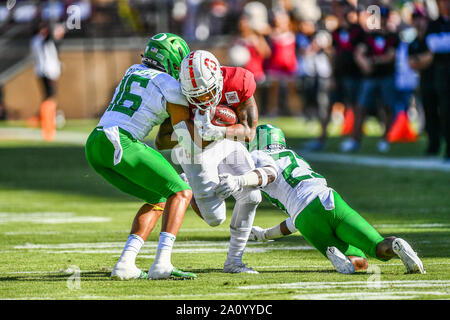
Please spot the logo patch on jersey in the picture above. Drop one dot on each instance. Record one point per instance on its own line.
(232, 97)
(154, 50)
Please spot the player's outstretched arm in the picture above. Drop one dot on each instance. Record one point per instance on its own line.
(245, 130)
(260, 177)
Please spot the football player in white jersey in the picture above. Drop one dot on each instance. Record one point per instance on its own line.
(148, 94)
(207, 84)
(320, 214)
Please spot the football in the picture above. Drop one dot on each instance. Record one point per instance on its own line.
(224, 116)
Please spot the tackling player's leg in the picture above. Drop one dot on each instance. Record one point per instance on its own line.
(143, 224)
(240, 228)
(162, 267)
(144, 173)
(353, 236)
(240, 162)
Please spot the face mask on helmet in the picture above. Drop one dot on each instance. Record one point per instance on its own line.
(208, 100)
(201, 79)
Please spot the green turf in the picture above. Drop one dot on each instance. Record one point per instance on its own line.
(54, 182)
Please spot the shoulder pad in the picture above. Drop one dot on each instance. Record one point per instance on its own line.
(170, 88)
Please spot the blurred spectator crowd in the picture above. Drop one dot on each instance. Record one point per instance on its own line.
(310, 58)
(369, 58)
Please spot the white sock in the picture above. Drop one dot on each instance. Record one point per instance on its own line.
(275, 232)
(131, 249)
(164, 251)
(238, 241)
(290, 225)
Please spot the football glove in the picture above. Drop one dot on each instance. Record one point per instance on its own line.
(228, 185)
(206, 129)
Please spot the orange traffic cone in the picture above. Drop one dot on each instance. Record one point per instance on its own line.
(349, 120)
(401, 130)
(48, 119)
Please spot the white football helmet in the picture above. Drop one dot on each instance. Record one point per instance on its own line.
(201, 79)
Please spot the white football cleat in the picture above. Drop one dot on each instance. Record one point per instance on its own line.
(257, 234)
(340, 261)
(127, 271)
(232, 267)
(409, 257)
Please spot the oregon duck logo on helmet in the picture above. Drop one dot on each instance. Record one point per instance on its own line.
(164, 52)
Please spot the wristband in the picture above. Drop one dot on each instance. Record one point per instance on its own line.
(250, 179)
(264, 177)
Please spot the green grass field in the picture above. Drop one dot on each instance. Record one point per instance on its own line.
(62, 229)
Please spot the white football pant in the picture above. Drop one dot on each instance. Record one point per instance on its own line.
(203, 169)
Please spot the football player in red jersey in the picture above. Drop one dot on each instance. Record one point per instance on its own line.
(230, 86)
(206, 84)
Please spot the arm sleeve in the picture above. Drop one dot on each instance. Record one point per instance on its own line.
(171, 89)
(262, 159)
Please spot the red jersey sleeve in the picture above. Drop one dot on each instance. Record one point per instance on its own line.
(248, 85)
(238, 85)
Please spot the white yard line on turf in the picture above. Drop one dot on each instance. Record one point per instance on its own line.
(371, 295)
(30, 134)
(184, 250)
(412, 226)
(124, 231)
(256, 267)
(178, 244)
(27, 233)
(351, 284)
(47, 272)
(48, 218)
(377, 161)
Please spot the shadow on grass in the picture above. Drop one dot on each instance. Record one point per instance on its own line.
(84, 276)
(61, 169)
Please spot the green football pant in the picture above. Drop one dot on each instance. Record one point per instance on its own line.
(167, 154)
(341, 227)
(142, 171)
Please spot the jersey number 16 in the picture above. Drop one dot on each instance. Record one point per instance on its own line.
(124, 94)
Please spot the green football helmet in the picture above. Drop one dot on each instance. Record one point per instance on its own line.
(268, 137)
(164, 52)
